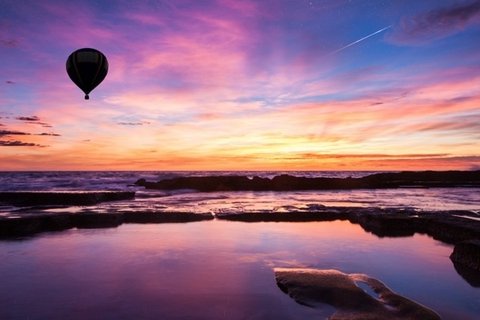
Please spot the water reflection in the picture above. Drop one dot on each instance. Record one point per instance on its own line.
(213, 270)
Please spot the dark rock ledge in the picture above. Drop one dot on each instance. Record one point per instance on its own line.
(75, 198)
(32, 223)
(406, 179)
(445, 226)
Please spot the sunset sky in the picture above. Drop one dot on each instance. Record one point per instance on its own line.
(243, 85)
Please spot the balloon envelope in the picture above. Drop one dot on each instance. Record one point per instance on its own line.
(87, 68)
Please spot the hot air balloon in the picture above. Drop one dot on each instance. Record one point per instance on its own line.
(87, 68)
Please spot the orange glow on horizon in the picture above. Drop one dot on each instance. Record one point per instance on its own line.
(238, 87)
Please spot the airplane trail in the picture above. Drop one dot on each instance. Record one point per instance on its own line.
(360, 40)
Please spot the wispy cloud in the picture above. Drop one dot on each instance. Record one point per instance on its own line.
(12, 133)
(49, 134)
(29, 119)
(304, 156)
(17, 143)
(142, 123)
(9, 43)
(33, 120)
(436, 24)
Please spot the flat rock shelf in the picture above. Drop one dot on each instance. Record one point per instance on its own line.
(78, 198)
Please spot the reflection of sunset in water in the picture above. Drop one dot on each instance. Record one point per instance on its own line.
(214, 270)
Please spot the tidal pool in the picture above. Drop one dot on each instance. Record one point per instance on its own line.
(213, 270)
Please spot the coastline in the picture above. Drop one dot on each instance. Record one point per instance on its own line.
(459, 228)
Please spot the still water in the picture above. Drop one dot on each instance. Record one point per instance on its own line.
(213, 270)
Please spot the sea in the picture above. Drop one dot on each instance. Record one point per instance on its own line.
(219, 269)
(431, 199)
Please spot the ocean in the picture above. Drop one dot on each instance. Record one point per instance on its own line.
(432, 199)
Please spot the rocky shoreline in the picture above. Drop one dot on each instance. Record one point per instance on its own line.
(406, 179)
(459, 228)
(456, 227)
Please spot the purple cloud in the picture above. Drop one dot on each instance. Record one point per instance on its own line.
(17, 143)
(9, 43)
(49, 134)
(34, 120)
(13, 133)
(21, 133)
(30, 119)
(436, 24)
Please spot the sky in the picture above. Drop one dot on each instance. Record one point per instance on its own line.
(243, 85)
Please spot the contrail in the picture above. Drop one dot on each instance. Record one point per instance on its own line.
(360, 40)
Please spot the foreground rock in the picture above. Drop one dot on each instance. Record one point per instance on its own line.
(288, 183)
(78, 198)
(313, 287)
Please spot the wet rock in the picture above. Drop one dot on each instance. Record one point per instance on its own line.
(388, 225)
(292, 216)
(14, 227)
(164, 217)
(206, 184)
(314, 287)
(467, 254)
(56, 222)
(97, 220)
(31, 224)
(425, 179)
(287, 182)
(448, 228)
(33, 198)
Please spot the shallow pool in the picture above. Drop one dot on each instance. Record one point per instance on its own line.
(213, 270)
